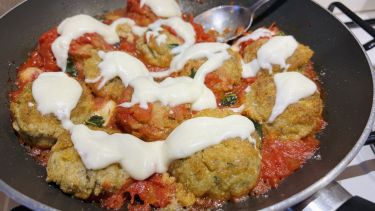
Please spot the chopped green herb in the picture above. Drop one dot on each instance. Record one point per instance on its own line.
(173, 45)
(192, 73)
(258, 128)
(229, 99)
(96, 121)
(216, 180)
(280, 33)
(70, 69)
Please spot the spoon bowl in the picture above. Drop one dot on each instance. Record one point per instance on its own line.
(229, 20)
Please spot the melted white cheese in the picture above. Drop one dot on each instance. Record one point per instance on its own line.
(182, 28)
(163, 8)
(171, 92)
(161, 39)
(255, 35)
(141, 159)
(137, 30)
(56, 93)
(290, 88)
(238, 110)
(76, 26)
(215, 61)
(197, 51)
(98, 150)
(274, 52)
(119, 63)
(250, 69)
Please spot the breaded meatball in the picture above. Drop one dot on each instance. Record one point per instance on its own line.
(42, 130)
(66, 169)
(221, 80)
(113, 89)
(297, 121)
(300, 57)
(151, 124)
(153, 54)
(225, 171)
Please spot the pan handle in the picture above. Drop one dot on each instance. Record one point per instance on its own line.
(334, 198)
(356, 19)
(371, 139)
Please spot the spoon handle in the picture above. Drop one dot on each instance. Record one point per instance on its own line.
(258, 4)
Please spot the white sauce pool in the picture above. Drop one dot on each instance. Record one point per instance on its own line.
(56, 93)
(274, 52)
(290, 88)
(255, 35)
(182, 28)
(163, 8)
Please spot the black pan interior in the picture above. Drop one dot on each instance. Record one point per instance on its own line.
(344, 70)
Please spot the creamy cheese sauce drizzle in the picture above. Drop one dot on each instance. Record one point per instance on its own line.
(163, 8)
(238, 110)
(182, 28)
(56, 93)
(255, 35)
(137, 30)
(118, 63)
(250, 69)
(76, 26)
(140, 159)
(274, 52)
(197, 51)
(290, 88)
(171, 91)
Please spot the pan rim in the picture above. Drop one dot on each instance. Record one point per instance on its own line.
(292, 200)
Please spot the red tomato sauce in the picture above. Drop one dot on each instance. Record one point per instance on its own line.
(40, 155)
(94, 39)
(143, 16)
(152, 192)
(280, 159)
(129, 47)
(43, 57)
(201, 35)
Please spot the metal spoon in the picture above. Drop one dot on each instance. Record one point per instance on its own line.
(227, 19)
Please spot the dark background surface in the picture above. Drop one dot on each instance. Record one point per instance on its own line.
(346, 81)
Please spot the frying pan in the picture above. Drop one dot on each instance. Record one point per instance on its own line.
(346, 79)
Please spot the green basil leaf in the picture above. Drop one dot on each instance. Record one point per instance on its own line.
(192, 73)
(229, 99)
(70, 68)
(96, 121)
(173, 45)
(258, 128)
